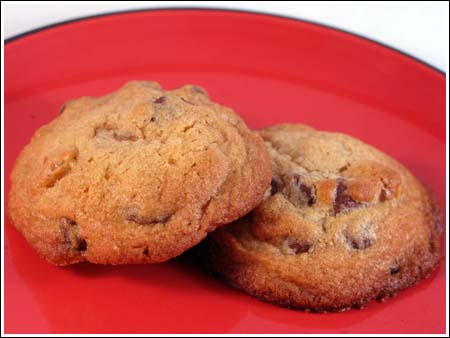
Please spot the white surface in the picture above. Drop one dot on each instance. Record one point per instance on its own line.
(417, 28)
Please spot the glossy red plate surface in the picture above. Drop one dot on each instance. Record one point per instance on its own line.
(270, 70)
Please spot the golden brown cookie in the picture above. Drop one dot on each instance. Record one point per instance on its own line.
(342, 224)
(139, 175)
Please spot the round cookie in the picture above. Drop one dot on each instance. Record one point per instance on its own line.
(342, 224)
(136, 176)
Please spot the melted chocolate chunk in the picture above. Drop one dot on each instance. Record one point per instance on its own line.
(82, 245)
(275, 185)
(68, 229)
(344, 168)
(70, 234)
(64, 221)
(306, 192)
(359, 243)
(385, 194)
(394, 270)
(299, 246)
(343, 200)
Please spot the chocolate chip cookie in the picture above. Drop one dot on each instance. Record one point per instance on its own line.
(136, 176)
(341, 224)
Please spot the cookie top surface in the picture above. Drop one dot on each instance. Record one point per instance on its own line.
(341, 224)
(139, 175)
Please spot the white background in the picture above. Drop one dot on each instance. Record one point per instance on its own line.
(418, 28)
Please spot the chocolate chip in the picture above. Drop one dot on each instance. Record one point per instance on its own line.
(134, 218)
(394, 270)
(360, 243)
(67, 221)
(295, 179)
(275, 185)
(344, 168)
(160, 100)
(299, 246)
(342, 200)
(145, 252)
(153, 119)
(70, 235)
(307, 190)
(358, 306)
(385, 194)
(82, 245)
(299, 193)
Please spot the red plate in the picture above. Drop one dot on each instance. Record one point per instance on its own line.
(270, 70)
